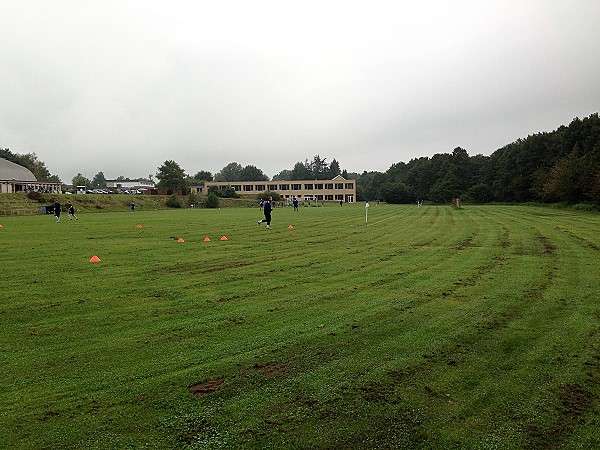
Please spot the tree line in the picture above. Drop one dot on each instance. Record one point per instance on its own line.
(558, 166)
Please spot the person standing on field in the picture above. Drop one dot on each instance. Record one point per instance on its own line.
(267, 212)
(295, 204)
(57, 210)
(71, 211)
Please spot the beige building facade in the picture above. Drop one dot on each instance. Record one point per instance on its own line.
(335, 190)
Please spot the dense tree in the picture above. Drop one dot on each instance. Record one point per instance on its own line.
(231, 172)
(283, 175)
(333, 170)
(318, 168)
(252, 173)
(170, 176)
(80, 180)
(203, 175)
(99, 181)
(301, 171)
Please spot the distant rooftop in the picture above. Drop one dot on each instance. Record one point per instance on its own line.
(11, 171)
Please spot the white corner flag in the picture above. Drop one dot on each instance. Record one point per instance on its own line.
(367, 213)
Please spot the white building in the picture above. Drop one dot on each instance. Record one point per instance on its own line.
(16, 178)
(129, 184)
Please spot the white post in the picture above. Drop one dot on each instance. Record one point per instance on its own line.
(367, 213)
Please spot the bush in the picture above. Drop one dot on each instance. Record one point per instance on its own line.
(212, 200)
(225, 192)
(173, 202)
(266, 194)
(193, 199)
(37, 196)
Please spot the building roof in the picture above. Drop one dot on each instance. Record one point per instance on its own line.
(11, 171)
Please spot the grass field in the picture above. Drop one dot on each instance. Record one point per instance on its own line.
(430, 328)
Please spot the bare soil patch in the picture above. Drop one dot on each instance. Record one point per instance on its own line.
(206, 387)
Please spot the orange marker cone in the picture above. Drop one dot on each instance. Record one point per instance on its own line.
(1, 226)
(94, 259)
(224, 238)
(291, 227)
(139, 226)
(207, 239)
(180, 240)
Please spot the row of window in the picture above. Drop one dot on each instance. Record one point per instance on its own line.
(292, 187)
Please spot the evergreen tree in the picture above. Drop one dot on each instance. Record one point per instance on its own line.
(170, 176)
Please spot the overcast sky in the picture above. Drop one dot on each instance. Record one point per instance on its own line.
(121, 86)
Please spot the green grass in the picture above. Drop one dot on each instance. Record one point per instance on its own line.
(430, 328)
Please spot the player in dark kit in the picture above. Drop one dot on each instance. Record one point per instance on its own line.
(57, 210)
(71, 211)
(267, 211)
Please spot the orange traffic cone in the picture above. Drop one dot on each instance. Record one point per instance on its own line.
(94, 259)
(291, 227)
(180, 240)
(139, 226)
(224, 238)
(207, 239)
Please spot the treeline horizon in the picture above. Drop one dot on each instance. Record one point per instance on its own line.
(561, 166)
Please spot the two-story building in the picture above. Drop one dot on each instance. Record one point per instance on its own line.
(335, 190)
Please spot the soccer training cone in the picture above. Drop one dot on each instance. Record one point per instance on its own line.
(207, 239)
(224, 238)
(139, 226)
(94, 259)
(180, 240)
(1, 226)
(291, 227)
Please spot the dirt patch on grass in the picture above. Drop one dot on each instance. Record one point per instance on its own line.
(549, 247)
(466, 243)
(574, 401)
(206, 387)
(270, 369)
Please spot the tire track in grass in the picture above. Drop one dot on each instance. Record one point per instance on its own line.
(451, 356)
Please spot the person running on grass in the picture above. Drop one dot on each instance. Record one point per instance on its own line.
(71, 211)
(57, 210)
(267, 212)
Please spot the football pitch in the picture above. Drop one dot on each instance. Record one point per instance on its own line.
(430, 327)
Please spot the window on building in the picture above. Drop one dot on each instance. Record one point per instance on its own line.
(260, 187)
(319, 186)
(329, 197)
(349, 185)
(284, 187)
(296, 187)
(339, 197)
(328, 185)
(236, 187)
(272, 187)
(339, 185)
(308, 187)
(248, 187)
